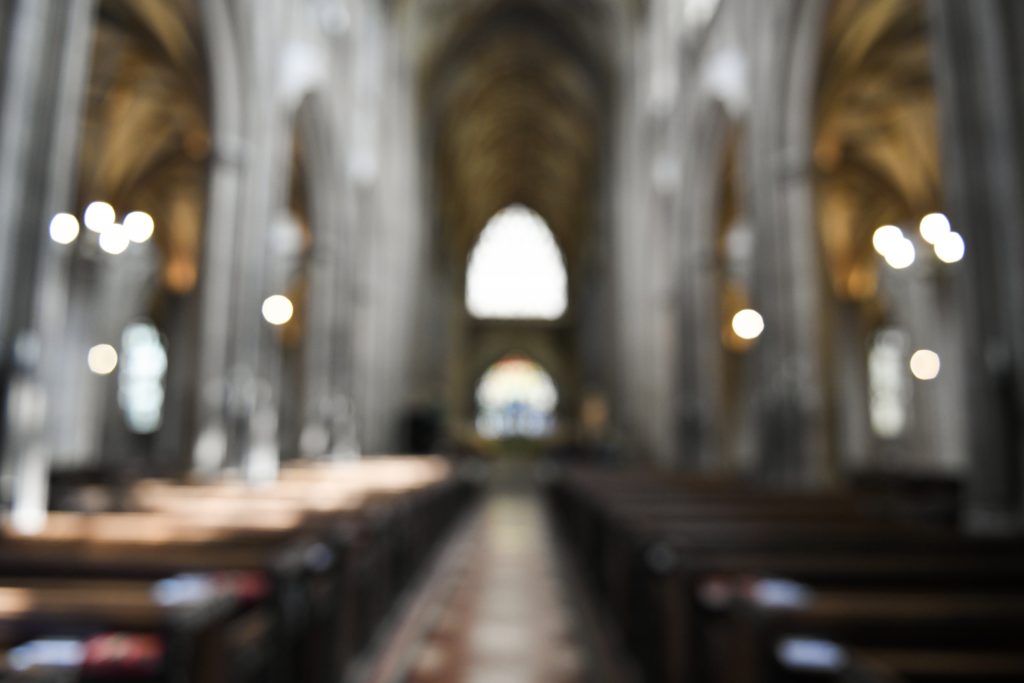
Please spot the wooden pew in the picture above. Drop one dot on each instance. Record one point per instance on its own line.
(810, 660)
(747, 643)
(306, 535)
(129, 629)
(652, 542)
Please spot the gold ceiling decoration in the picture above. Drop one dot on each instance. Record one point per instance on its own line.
(876, 150)
(145, 137)
(517, 99)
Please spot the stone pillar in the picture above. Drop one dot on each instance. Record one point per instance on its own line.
(47, 66)
(788, 273)
(216, 279)
(47, 62)
(981, 104)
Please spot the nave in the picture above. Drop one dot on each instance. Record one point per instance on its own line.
(698, 325)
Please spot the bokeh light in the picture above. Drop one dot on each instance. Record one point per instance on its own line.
(277, 309)
(950, 248)
(102, 359)
(748, 324)
(925, 364)
(933, 227)
(139, 225)
(114, 239)
(64, 228)
(98, 215)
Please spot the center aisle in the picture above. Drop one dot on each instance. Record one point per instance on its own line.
(500, 606)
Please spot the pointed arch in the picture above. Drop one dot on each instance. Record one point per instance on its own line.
(515, 397)
(516, 269)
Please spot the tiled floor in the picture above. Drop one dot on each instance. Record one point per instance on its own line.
(499, 607)
(508, 619)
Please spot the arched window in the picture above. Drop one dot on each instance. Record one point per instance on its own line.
(516, 269)
(516, 397)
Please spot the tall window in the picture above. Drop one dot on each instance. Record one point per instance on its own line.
(516, 397)
(516, 269)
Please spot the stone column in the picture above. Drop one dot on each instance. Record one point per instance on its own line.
(788, 276)
(216, 281)
(47, 62)
(978, 63)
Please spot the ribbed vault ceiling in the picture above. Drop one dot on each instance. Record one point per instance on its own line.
(516, 95)
(876, 149)
(145, 133)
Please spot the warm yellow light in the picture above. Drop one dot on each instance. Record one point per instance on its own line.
(924, 364)
(900, 254)
(885, 238)
(950, 248)
(277, 309)
(748, 324)
(63, 228)
(139, 225)
(933, 227)
(114, 239)
(98, 216)
(102, 359)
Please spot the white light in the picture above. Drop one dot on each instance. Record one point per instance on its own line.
(885, 238)
(114, 239)
(516, 269)
(933, 227)
(900, 254)
(63, 228)
(811, 654)
(950, 248)
(748, 324)
(102, 359)
(139, 225)
(277, 309)
(98, 216)
(924, 364)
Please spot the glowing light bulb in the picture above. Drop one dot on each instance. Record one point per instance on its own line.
(886, 238)
(98, 216)
(748, 324)
(139, 225)
(277, 309)
(950, 248)
(925, 364)
(114, 239)
(102, 359)
(63, 228)
(933, 227)
(900, 254)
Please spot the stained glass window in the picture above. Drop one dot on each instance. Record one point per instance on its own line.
(516, 397)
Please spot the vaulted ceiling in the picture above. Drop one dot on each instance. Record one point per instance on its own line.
(145, 133)
(877, 144)
(517, 94)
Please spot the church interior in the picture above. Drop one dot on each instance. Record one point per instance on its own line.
(511, 341)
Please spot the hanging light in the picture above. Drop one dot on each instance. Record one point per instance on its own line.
(98, 215)
(925, 364)
(64, 228)
(885, 238)
(900, 254)
(933, 227)
(102, 359)
(950, 248)
(139, 225)
(748, 324)
(114, 239)
(277, 309)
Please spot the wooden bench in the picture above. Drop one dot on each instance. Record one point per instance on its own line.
(650, 544)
